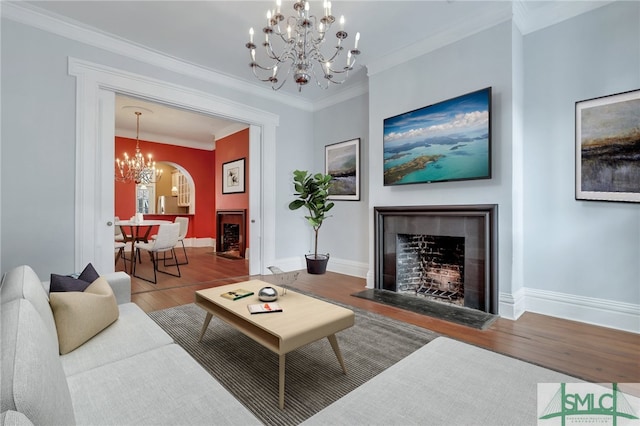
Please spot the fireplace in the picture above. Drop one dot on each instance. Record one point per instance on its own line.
(446, 254)
(431, 266)
(230, 231)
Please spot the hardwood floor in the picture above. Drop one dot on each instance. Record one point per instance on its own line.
(592, 353)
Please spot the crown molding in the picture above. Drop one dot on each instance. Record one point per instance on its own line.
(27, 14)
(531, 16)
(350, 92)
(527, 16)
(458, 32)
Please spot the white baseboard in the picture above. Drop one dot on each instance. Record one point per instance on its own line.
(340, 266)
(511, 306)
(290, 264)
(590, 310)
(348, 267)
(199, 242)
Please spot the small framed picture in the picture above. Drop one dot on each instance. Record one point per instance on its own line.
(608, 148)
(233, 177)
(342, 162)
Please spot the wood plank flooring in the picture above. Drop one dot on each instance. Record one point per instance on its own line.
(592, 353)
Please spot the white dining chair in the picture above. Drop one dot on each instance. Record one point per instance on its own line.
(118, 235)
(184, 227)
(165, 241)
(119, 247)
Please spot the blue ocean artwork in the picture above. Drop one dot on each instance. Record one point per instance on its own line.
(443, 142)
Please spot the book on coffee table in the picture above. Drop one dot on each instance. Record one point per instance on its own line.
(236, 294)
(264, 308)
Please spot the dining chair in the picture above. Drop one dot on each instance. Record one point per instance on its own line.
(120, 246)
(184, 227)
(119, 236)
(165, 241)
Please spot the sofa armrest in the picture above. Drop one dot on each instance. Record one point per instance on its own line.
(14, 418)
(120, 282)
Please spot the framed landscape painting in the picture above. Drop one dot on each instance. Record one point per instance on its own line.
(342, 162)
(233, 177)
(447, 141)
(608, 148)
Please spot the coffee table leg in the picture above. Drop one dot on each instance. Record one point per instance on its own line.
(336, 349)
(281, 381)
(207, 320)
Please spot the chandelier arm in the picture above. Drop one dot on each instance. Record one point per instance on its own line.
(273, 86)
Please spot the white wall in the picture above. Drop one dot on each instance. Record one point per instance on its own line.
(462, 67)
(346, 234)
(558, 256)
(568, 258)
(38, 146)
(582, 258)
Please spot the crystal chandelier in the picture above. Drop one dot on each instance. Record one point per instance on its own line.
(300, 45)
(136, 169)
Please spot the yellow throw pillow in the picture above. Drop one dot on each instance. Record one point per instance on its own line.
(81, 315)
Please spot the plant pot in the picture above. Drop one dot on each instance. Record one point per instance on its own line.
(317, 265)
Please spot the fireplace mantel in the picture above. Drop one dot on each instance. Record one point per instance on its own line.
(478, 223)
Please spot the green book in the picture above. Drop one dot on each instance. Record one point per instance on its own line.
(236, 294)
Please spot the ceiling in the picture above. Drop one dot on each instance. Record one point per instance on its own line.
(170, 125)
(212, 35)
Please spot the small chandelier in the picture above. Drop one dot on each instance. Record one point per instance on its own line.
(135, 169)
(300, 44)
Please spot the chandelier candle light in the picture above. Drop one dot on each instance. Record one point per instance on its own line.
(300, 44)
(136, 169)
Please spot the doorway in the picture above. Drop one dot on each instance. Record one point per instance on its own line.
(96, 88)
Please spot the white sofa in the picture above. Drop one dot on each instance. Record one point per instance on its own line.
(131, 373)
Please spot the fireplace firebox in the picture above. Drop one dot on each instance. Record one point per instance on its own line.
(230, 231)
(446, 254)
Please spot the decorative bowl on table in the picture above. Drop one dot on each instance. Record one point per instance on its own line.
(268, 294)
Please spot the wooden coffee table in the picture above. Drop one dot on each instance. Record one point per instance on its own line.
(303, 320)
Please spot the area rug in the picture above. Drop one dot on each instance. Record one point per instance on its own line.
(314, 378)
(459, 315)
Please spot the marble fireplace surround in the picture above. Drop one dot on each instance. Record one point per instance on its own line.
(477, 223)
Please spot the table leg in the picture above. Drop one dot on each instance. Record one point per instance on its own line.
(281, 382)
(207, 320)
(336, 349)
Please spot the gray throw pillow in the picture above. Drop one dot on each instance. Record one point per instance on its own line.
(68, 283)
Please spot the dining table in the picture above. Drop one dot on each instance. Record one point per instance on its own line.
(138, 231)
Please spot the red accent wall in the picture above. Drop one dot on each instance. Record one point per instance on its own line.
(201, 166)
(205, 167)
(233, 148)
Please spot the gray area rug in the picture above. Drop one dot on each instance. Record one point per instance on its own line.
(314, 378)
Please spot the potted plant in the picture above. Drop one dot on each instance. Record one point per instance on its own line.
(312, 191)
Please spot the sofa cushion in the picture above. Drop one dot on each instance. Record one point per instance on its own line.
(23, 283)
(153, 388)
(61, 283)
(133, 333)
(70, 283)
(81, 315)
(33, 381)
(89, 274)
(14, 418)
(446, 382)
